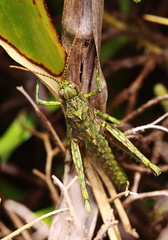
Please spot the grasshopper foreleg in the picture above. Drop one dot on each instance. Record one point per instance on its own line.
(99, 88)
(76, 156)
(43, 102)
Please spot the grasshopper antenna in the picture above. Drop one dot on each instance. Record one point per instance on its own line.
(69, 55)
(29, 70)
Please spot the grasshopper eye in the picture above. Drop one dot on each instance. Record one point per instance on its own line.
(72, 85)
(75, 87)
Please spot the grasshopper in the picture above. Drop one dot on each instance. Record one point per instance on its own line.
(87, 125)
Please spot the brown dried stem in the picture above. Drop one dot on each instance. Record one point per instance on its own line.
(132, 198)
(45, 121)
(49, 151)
(104, 228)
(144, 107)
(19, 224)
(130, 94)
(28, 225)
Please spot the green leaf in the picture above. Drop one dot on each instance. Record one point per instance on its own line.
(29, 37)
(137, 1)
(12, 190)
(125, 5)
(160, 90)
(15, 135)
(44, 211)
(108, 50)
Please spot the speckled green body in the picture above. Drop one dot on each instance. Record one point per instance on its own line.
(88, 127)
(85, 124)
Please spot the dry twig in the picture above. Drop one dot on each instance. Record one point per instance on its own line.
(28, 225)
(47, 124)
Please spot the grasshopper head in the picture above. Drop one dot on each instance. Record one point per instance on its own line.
(68, 90)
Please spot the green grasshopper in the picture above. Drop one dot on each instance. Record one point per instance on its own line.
(87, 125)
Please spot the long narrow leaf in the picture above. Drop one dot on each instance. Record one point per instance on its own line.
(29, 37)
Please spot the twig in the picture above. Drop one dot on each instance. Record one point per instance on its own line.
(136, 85)
(122, 194)
(157, 139)
(72, 182)
(119, 99)
(50, 153)
(44, 119)
(151, 125)
(148, 126)
(129, 62)
(132, 198)
(135, 167)
(28, 225)
(137, 178)
(48, 181)
(66, 195)
(143, 39)
(39, 174)
(41, 229)
(104, 228)
(141, 109)
(4, 229)
(160, 118)
(19, 224)
(130, 94)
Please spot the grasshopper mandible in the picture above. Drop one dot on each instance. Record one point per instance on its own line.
(86, 124)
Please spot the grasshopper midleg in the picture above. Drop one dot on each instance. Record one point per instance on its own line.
(99, 86)
(97, 91)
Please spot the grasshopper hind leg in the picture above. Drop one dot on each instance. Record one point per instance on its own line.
(76, 156)
(122, 142)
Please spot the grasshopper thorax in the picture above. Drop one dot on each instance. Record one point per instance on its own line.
(68, 90)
